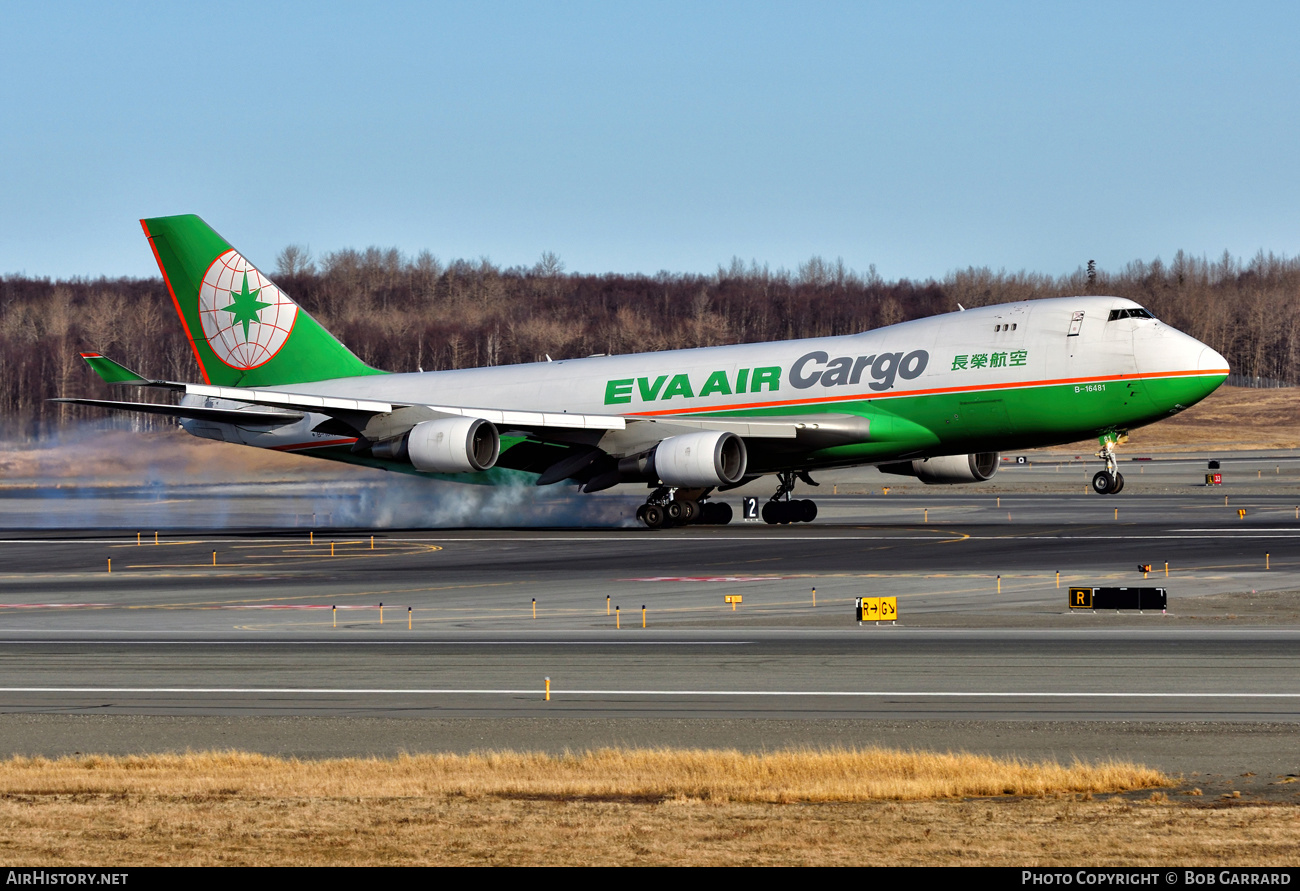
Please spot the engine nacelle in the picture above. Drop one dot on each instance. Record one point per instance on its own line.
(446, 445)
(948, 469)
(707, 458)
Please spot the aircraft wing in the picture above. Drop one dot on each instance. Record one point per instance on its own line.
(556, 445)
(376, 420)
(244, 418)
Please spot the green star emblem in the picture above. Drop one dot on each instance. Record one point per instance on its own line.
(246, 306)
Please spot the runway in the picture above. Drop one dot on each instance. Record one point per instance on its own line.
(284, 630)
(887, 674)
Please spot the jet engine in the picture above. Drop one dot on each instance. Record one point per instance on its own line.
(707, 458)
(445, 445)
(948, 469)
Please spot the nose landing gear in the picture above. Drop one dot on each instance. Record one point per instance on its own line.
(1109, 481)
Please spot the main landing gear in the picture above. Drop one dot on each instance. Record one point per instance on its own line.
(682, 507)
(1109, 481)
(782, 509)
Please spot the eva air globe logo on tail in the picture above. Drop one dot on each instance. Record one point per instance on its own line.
(246, 319)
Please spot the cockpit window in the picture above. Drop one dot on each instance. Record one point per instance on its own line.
(1135, 313)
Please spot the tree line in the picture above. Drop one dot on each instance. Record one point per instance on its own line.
(404, 313)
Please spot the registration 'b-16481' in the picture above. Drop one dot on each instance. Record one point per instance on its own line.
(935, 398)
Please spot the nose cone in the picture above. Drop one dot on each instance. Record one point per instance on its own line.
(1211, 360)
(1178, 369)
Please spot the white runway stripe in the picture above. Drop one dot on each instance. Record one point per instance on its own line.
(556, 691)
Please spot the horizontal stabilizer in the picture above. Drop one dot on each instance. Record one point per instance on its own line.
(116, 373)
(251, 418)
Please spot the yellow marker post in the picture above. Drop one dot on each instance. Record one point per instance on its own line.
(618, 623)
(214, 558)
(1117, 513)
(534, 607)
(408, 618)
(1241, 513)
(999, 584)
(814, 596)
(137, 539)
(548, 689)
(381, 612)
(1166, 569)
(1058, 579)
(643, 615)
(155, 537)
(331, 549)
(1266, 561)
(999, 501)
(927, 516)
(311, 537)
(372, 542)
(110, 565)
(607, 604)
(733, 599)
(335, 610)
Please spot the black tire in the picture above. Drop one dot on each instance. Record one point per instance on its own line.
(640, 512)
(722, 513)
(1119, 484)
(652, 515)
(1103, 483)
(673, 511)
(772, 513)
(690, 512)
(809, 510)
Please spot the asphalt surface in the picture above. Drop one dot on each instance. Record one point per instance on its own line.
(279, 646)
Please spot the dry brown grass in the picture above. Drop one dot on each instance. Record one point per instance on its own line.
(604, 774)
(1230, 418)
(614, 806)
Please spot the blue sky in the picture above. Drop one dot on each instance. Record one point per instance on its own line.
(635, 137)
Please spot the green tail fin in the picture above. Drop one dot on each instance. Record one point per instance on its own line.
(245, 331)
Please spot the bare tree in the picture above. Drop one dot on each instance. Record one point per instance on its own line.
(293, 261)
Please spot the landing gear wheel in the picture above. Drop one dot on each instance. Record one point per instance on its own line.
(640, 512)
(1103, 483)
(673, 511)
(690, 511)
(772, 512)
(808, 511)
(714, 514)
(652, 515)
(1119, 484)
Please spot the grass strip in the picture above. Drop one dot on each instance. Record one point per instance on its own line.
(796, 775)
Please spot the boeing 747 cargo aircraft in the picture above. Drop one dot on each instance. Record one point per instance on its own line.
(935, 398)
